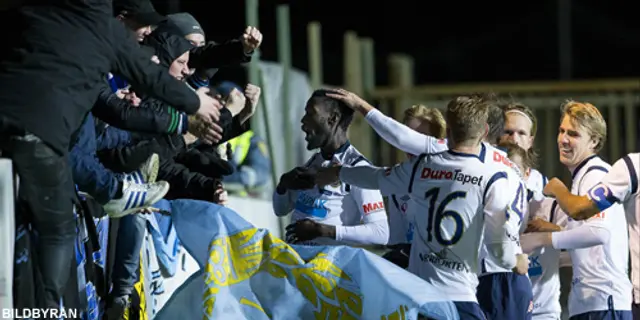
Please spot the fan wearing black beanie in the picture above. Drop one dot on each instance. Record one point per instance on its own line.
(191, 173)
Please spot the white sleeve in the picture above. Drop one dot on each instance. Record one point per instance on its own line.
(375, 226)
(499, 236)
(283, 204)
(388, 180)
(617, 186)
(595, 231)
(374, 232)
(403, 137)
(590, 234)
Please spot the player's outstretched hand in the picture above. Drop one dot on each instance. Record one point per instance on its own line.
(553, 186)
(327, 176)
(303, 230)
(522, 264)
(541, 225)
(351, 99)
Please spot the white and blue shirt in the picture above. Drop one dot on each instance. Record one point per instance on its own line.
(339, 204)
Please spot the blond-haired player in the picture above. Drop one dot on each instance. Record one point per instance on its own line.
(599, 246)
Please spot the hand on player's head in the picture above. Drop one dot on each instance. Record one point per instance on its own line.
(350, 99)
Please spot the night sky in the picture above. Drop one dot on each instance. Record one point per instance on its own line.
(451, 41)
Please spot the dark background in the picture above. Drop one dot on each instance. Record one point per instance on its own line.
(451, 41)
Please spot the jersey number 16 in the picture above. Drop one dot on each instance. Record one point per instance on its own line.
(437, 215)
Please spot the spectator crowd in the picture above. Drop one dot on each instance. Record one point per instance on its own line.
(125, 115)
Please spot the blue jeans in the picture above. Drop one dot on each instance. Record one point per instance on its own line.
(127, 256)
(129, 239)
(88, 173)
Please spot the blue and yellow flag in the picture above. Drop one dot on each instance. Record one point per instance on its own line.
(246, 273)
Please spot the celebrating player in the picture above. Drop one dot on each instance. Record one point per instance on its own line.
(332, 214)
(520, 128)
(599, 247)
(428, 121)
(501, 293)
(462, 195)
(619, 185)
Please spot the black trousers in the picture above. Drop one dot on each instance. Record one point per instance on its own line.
(45, 199)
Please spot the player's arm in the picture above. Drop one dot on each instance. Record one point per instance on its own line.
(389, 181)
(592, 233)
(616, 186)
(283, 203)
(595, 231)
(375, 226)
(500, 236)
(403, 137)
(577, 207)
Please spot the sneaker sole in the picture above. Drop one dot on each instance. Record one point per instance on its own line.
(151, 201)
(154, 166)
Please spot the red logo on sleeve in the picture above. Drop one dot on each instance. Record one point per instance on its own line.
(373, 207)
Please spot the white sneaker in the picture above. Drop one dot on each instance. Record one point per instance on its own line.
(147, 173)
(136, 196)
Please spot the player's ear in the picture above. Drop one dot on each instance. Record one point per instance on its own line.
(334, 118)
(593, 143)
(486, 133)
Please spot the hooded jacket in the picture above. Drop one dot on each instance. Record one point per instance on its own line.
(167, 46)
(56, 56)
(192, 174)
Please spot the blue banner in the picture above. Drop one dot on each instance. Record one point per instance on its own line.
(246, 273)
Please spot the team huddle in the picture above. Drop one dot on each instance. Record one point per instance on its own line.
(468, 213)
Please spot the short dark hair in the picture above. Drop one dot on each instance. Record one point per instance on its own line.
(529, 159)
(346, 114)
(496, 121)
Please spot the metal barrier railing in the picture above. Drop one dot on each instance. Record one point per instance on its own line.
(7, 233)
(618, 100)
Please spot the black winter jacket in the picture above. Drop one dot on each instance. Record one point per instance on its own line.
(121, 114)
(56, 56)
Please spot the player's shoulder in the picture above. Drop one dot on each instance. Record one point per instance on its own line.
(316, 157)
(592, 167)
(630, 163)
(498, 158)
(351, 156)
